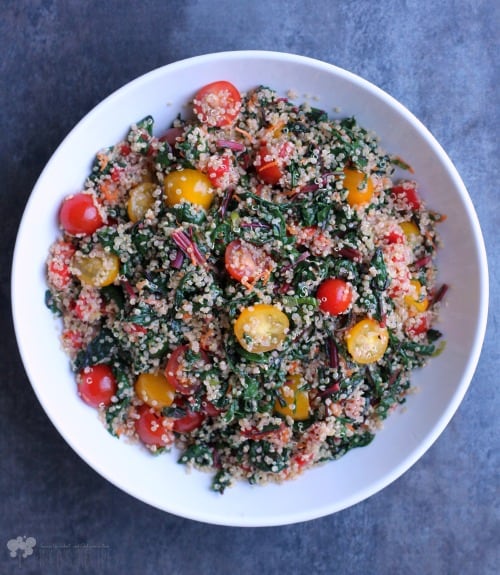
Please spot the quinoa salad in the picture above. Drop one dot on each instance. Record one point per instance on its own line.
(252, 285)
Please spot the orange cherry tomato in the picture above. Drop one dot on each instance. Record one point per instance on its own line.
(367, 341)
(97, 385)
(217, 104)
(98, 269)
(334, 295)
(359, 187)
(189, 185)
(419, 303)
(261, 327)
(297, 400)
(140, 200)
(154, 390)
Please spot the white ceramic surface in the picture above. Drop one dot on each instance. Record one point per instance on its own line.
(160, 481)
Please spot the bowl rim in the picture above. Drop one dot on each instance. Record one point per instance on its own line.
(475, 351)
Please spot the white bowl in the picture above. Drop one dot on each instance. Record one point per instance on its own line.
(160, 481)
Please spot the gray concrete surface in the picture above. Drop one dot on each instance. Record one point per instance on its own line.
(57, 60)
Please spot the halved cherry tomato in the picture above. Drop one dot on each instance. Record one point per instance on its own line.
(154, 390)
(210, 409)
(367, 341)
(217, 169)
(98, 269)
(140, 200)
(97, 385)
(297, 400)
(359, 187)
(417, 325)
(410, 230)
(188, 422)
(178, 373)
(261, 327)
(79, 215)
(58, 271)
(334, 295)
(217, 104)
(189, 185)
(245, 262)
(418, 303)
(150, 427)
(268, 168)
(407, 193)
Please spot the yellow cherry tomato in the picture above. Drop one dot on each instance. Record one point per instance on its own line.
(359, 186)
(297, 400)
(97, 269)
(140, 200)
(367, 341)
(154, 390)
(410, 230)
(189, 185)
(261, 327)
(419, 303)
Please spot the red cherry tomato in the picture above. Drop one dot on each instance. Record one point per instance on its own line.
(210, 409)
(97, 385)
(334, 295)
(150, 428)
(218, 169)
(268, 168)
(58, 270)
(188, 422)
(244, 261)
(79, 215)
(177, 375)
(217, 104)
(407, 193)
(417, 325)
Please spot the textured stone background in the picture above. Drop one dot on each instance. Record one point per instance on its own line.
(58, 59)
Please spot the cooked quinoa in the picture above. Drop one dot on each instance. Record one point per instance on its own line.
(257, 291)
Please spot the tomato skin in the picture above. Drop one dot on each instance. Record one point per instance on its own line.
(244, 261)
(416, 304)
(189, 185)
(417, 325)
(217, 172)
(181, 384)
(98, 269)
(268, 170)
(297, 400)
(140, 200)
(353, 181)
(79, 215)
(150, 429)
(407, 192)
(217, 104)
(154, 390)
(367, 341)
(97, 385)
(261, 327)
(58, 268)
(192, 420)
(334, 295)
